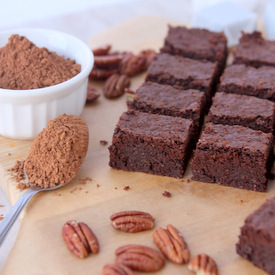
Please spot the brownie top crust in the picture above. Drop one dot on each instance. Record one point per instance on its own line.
(253, 47)
(181, 67)
(234, 137)
(196, 43)
(165, 96)
(155, 126)
(241, 75)
(235, 105)
(264, 218)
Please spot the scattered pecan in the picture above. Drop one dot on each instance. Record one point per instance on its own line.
(203, 264)
(171, 243)
(150, 55)
(132, 221)
(115, 85)
(140, 257)
(103, 50)
(92, 94)
(132, 64)
(101, 74)
(116, 269)
(103, 142)
(80, 239)
(108, 61)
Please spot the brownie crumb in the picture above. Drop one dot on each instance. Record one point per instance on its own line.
(166, 194)
(1, 205)
(188, 180)
(126, 188)
(97, 185)
(115, 188)
(17, 174)
(1, 217)
(9, 154)
(103, 142)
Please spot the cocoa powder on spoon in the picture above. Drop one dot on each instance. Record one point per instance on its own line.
(57, 152)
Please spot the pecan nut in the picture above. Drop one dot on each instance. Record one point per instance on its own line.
(80, 239)
(108, 61)
(102, 50)
(92, 94)
(203, 264)
(139, 257)
(102, 74)
(132, 64)
(150, 56)
(115, 85)
(171, 243)
(116, 269)
(132, 221)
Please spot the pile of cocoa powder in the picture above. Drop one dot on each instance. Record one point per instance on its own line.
(25, 66)
(57, 152)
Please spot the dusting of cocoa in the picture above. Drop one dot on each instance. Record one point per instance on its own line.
(18, 175)
(25, 66)
(57, 152)
(85, 180)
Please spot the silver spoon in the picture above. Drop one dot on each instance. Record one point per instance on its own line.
(7, 223)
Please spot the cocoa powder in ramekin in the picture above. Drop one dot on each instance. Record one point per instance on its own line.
(25, 66)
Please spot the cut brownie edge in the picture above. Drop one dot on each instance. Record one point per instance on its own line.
(257, 238)
(233, 156)
(142, 143)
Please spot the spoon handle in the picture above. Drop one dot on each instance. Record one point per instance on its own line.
(8, 221)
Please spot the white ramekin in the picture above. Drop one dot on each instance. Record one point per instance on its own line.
(24, 113)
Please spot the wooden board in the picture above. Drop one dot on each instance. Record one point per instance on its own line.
(208, 215)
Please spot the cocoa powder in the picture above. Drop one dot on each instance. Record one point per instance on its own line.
(25, 66)
(57, 152)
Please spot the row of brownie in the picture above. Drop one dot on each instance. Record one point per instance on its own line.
(169, 107)
(236, 155)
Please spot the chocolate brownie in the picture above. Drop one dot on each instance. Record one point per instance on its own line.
(233, 155)
(254, 50)
(184, 73)
(165, 100)
(257, 238)
(196, 43)
(151, 143)
(248, 111)
(245, 80)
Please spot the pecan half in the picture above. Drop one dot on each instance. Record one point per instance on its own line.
(202, 264)
(150, 56)
(132, 221)
(171, 243)
(108, 61)
(115, 85)
(140, 257)
(103, 50)
(101, 74)
(116, 269)
(92, 94)
(80, 239)
(132, 64)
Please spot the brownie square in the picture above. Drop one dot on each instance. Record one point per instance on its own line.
(257, 238)
(254, 50)
(165, 100)
(184, 73)
(245, 80)
(151, 143)
(248, 111)
(233, 155)
(196, 43)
